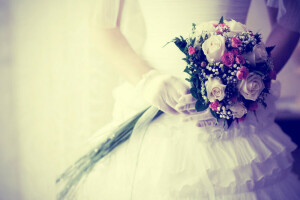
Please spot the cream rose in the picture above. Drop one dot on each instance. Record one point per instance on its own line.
(238, 110)
(215, 89)
(251, 87)
(214, 48)
(260, 53)
(236, 27)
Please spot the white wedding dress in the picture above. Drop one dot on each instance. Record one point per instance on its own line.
(177, 160)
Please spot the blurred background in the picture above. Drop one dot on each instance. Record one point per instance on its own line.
(56, 91)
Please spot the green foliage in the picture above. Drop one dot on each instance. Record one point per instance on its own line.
(269, 49)
(200, 105)
(214, 114)
(193, 41)
(181, 44)
(194, 92)
(221, 20)
(193, 27)
(229, 122)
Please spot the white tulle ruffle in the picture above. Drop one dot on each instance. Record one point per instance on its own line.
(177, 160)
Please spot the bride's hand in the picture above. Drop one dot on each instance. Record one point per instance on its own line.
(186, 105)
(162, 90)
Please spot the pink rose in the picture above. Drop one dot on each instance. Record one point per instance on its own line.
(239, 59)
(228, 59)
(253, 106)
(242, 73)
(215, 105)
(273, 75)
(235, 42)
(191, 50)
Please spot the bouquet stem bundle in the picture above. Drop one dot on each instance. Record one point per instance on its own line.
(70, 179)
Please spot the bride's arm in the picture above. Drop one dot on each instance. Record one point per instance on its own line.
(160, 90)
(116, 51)
(283, 38)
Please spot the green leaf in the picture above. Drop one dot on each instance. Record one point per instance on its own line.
(193, 41)
(221, 20)
(187, 79)
(201, 39)
(187, 70)
(180, 43)
(229, 122)
(193, 27)
(214, 114)
(200, 106)
(194, 92)
(269, 49)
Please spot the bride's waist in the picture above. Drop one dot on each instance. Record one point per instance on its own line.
(167, 59)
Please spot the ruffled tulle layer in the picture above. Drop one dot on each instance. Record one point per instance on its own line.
(175, 160)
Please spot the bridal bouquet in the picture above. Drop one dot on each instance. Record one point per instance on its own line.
(229, 68)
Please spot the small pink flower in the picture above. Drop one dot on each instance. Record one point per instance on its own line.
(273, 75)
(253, 106)
(191, 50)
(242, 119)
(215, 105)
(221, 28)
(235, 42)
(228, 59)
(239, 59)
(242, 73)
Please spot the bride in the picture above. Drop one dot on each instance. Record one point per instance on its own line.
(182, 154)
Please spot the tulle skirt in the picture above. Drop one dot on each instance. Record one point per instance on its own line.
(171, 159)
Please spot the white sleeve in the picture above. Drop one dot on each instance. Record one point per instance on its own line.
(105, 13)
(288, 13)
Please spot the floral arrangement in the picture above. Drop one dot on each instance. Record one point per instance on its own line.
(229, 68)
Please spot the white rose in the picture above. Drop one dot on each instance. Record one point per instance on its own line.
(236, 27)
(238, 110)
(214, 48)
(251, 87)
(260, 52)
(215, 89)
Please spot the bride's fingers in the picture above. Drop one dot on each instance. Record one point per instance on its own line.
(198, 117)
(200, 124)
(206, 123)
(185, 107)
(191, 118)
(172, 103)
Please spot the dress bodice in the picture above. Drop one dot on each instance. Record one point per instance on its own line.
(166, 19)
